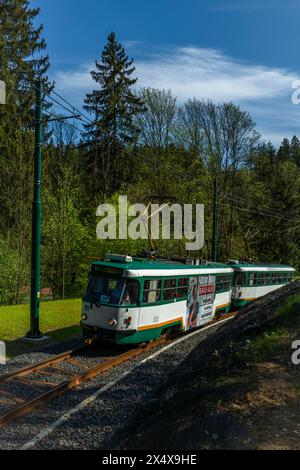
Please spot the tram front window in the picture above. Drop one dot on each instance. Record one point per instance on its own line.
(112, 291)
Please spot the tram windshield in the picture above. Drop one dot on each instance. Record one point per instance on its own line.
(110, 290)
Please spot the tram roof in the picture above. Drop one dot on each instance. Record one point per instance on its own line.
(261, 267)
(148, 264)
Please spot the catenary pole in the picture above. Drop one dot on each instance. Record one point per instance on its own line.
(215, 223)
(34, 332)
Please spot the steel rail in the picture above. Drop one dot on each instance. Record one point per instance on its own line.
(28, 406)
(40, 365)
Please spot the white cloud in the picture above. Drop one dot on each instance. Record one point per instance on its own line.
(195, 72)
(132, 44)
(74, 80)
(204, 73)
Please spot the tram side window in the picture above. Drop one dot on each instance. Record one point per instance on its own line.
(261, 279)
(182, 288)
(169, 289)
(152, 291)
(251, 279)
(226, 282)
(240, 279)
(219, 284)
(267, 278)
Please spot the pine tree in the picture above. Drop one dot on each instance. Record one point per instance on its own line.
(114, 108)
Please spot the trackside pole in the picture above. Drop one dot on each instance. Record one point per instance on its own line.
(215, 223)
(34, 332)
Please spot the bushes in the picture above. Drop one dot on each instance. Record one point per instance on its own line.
(8, 273)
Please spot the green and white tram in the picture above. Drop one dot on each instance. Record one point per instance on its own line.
(132, 300)
(255, 280)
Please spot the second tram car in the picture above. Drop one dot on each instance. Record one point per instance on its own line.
(253, 280)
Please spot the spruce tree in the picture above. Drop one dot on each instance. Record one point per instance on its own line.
(284, 152)
(21, 59)
(295, 150)
(114, 107)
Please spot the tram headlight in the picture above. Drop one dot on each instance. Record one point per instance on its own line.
(112, 322)
(84, 316)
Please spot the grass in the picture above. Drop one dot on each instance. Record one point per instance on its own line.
(265, 346)
(279, 335)
(272, 341)
(289, 309)
(58, 319)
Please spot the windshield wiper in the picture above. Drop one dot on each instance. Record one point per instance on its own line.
(91, 293)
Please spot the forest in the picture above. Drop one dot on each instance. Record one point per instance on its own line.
(139, 142)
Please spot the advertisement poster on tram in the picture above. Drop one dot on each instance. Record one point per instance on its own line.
(200, 301)
(207, 288)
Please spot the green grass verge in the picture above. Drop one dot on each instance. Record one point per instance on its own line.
(58, 319)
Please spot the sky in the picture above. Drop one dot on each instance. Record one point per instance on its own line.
(235, 50)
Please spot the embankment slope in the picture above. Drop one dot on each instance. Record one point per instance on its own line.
(237, 390)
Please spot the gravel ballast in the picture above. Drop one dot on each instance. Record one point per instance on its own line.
(98, 425)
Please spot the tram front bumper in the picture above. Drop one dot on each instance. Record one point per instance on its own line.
(90, 331)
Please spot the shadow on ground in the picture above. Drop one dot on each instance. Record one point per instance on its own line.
(237, 390)
(62, 336)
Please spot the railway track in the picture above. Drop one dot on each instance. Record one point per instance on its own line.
(41, 375)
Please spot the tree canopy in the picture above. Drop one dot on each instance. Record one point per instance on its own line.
(141, 143)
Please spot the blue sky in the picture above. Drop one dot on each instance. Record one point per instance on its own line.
(234, 50)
